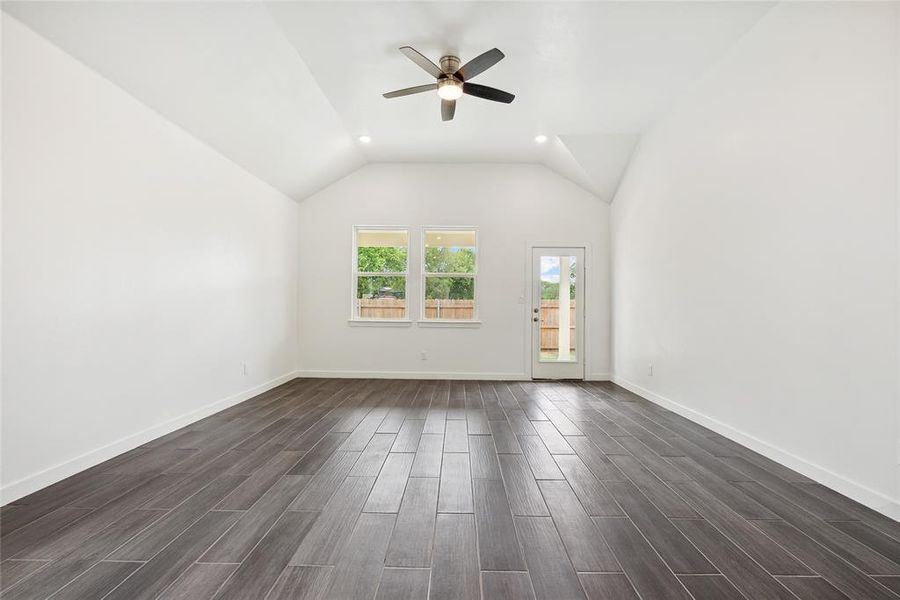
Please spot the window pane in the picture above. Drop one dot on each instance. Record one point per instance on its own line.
(450, 251)
(558, 334)
(450, 298)
(381, 251)
(380, 297)
(449, 238)
(550, 277)
(382, 237)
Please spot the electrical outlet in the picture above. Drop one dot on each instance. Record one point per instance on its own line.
(424, 355)
(650, 369)
(244, 369)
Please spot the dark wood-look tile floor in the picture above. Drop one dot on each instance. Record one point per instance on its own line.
(345, 489)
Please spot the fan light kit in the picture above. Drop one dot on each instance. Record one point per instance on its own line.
(452, 81)
(450, 89)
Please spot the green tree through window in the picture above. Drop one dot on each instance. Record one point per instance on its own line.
(449, 260)
(381, 259)
(442, 259)
(376, 259)
(550, 290)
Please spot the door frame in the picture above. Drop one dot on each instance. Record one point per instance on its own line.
(588, 286)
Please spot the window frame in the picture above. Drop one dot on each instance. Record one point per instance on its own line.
(423, 320)
(355, 274)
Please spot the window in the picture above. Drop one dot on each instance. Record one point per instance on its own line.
(381, 260)
(450, 266)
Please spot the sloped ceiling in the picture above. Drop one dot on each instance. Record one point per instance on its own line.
(285, 88)
(222, 71)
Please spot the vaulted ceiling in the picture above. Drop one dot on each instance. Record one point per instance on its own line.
(284, 89)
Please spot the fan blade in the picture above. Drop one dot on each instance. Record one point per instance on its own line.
(413, 90)
(415, 56)
(479, 64)
(448, 109)
(488, 93)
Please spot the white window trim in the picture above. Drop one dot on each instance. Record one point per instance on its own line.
(379, 322)
(354, 320)
(462, 323)
(450, 323)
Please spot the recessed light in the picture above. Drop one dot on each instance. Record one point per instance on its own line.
(540, 139)
(364, 139)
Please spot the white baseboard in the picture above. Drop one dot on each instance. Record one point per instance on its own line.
(32, 483)
(852, 489)
(598, 377)
(434, 375)
(414, 375)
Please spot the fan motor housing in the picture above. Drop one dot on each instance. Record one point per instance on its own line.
(449, 64)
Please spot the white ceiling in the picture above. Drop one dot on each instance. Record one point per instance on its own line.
(284, 88)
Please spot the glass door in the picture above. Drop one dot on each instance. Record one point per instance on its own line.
(557, 313)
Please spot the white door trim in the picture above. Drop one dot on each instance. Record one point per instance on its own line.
(588, 285)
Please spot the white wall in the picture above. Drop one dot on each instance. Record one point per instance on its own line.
(897, 150)
(510, 204)
(755, 248)
(140, 270)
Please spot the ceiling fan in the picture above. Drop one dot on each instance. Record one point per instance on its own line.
(453, 80)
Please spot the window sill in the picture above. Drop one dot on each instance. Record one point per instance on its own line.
(448, 323)
(379, 323)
